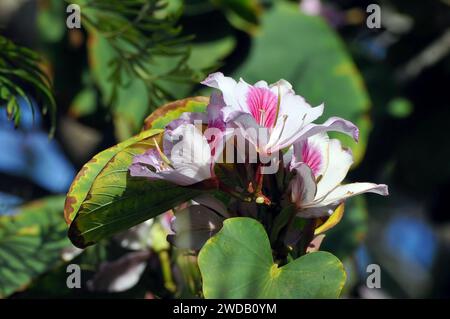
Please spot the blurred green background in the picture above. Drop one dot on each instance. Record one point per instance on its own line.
(125, 61)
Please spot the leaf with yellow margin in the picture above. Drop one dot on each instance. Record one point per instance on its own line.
(104, 199)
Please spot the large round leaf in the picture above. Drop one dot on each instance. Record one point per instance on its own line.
(305, 51)
(237, 263)
(31, 243)
(105, 199)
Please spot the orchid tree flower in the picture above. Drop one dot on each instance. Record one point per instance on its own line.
(188, 155)
(272, 117)
(321, 164)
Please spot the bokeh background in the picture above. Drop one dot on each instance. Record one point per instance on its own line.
(392, 81)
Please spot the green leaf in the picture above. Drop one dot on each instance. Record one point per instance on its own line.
(237, 263)
(21, 76)
(31, 243)
(171, 111)
(207, 55)
(84, 103)
(51, 21)
(105, 199)
(127, 96)
(305, 51)
(242, 14)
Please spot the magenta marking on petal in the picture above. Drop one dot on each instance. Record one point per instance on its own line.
(312, 157)
(262, 104)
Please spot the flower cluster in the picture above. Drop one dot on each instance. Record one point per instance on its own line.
(259, 145)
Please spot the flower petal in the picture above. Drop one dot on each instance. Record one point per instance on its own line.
(345, 191)
(262, 104)
(336, 124)
(294, 114)
(191, 156)
(251, 131)
(317, 212)
(314, 152)
(121, 274)
(303, 185)
(338, 164)
(283, 87)
(226, 84)
(214, 111)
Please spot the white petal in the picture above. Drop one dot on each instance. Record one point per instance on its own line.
(339, 162)
(121, 274)
(226, 84)
(294, 114)
(251, 131)
(192, 155)
(303, 185)
(345, 191)
(336, 124)
(283, 86)
(178, 177)
(317, 212)
(261, 84)
(242, 89)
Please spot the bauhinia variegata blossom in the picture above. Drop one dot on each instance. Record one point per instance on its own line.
(269, 120)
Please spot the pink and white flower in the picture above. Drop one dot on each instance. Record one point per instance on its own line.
(272, 117)
(321, 165)
(186, 159)
(188, 155)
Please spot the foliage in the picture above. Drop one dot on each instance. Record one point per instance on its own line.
(31, 243)
(238, 263)
(103, 200)
(135, 49)
(139, 32)
(137, 57)
(22, 76)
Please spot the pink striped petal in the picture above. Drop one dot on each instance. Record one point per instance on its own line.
(262, 104)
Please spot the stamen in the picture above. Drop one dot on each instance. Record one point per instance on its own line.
(285, 116)
(262, 118)
(166, 161)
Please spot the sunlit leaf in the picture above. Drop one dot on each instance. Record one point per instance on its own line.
(237, 263)
(105, 199)
(171, 111)
(31, 243)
